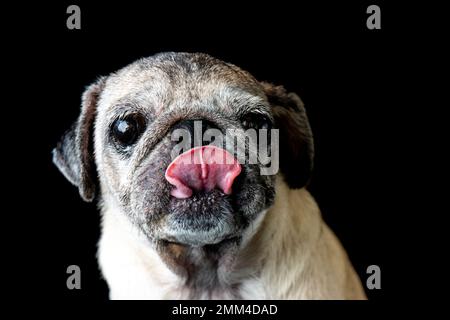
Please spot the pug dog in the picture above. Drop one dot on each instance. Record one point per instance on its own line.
(175, 230)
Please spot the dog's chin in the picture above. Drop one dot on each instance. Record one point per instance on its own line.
(203, 219)
(197, 240)
(194, 238)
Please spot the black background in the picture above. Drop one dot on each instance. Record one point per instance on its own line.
(346, 75)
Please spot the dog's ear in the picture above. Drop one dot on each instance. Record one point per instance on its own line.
(295, 136)
(73, 155)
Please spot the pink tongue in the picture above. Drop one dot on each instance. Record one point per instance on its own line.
(202, 168)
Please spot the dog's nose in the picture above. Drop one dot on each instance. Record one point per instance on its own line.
(195, 128)
(202, 169)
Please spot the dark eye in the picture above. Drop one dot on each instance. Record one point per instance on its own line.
(256, 121)
(125, 131)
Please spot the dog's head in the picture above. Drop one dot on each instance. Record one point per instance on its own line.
(124, 140)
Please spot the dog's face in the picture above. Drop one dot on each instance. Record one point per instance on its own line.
(125, 137)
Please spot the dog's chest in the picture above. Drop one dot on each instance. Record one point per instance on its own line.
(137, 272)
(140, 284)
(140, 281)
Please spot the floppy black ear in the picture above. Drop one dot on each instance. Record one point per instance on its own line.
(296, 140)
(73, 155)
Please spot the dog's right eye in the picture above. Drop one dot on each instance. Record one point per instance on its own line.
(127, 130)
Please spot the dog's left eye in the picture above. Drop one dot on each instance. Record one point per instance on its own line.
(256, 121)
(126, 131)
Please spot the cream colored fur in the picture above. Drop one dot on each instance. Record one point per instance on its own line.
(289, 253)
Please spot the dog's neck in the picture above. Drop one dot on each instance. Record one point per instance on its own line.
(131, 263)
